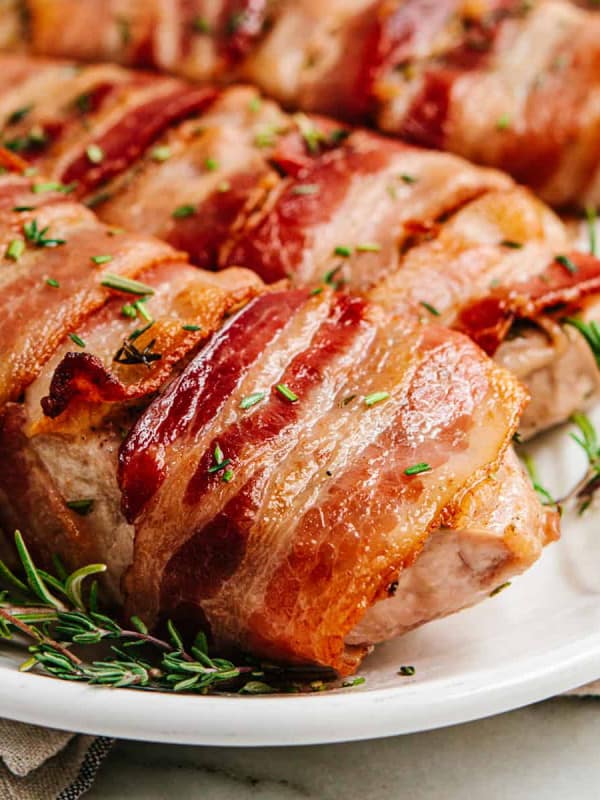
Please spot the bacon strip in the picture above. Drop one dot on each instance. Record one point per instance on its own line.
(316, 490)
(49, 290)
(487, 321)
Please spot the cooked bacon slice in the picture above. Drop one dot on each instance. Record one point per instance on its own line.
(282, 522)
(504, 83)
(53, 285)
(364, 199)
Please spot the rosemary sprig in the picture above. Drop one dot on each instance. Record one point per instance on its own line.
(61, 621)
(583, 492)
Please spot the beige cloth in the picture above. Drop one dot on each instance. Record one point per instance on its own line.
(44, 764)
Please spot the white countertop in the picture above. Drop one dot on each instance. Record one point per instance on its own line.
(547, 751)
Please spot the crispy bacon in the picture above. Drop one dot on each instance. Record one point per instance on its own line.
(504, 83)
(54, 285)
(563, 283)
(264, 550)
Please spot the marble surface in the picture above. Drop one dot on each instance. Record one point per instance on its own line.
(547, 751)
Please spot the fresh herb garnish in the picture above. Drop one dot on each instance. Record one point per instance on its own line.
(211, 164)
(306, 189)
(376, 397)
(408, 178)
(102, 259)
(74, 337)
(19, 114)
(191, 327)
(53, 186)
(417, 469)
(82, 507)
(255, 104)
(503, 122)
(343, 250)
(181, 212)
(127, 285)
(252, 400)
(500, 588)
(590, 332)
(407, 670)
(368, 247)
(200, 25)
(15, 249)
(511, 244)
(220, 463)
(129, 354)
(544, 494)
(53, 283)
(94, 153)
(587, 438)
(566, 262)
(38, 237)
(432, 309)
(286, 392)
(161, 153)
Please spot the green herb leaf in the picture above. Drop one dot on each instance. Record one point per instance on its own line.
(15, 249)
(287, 393)
(121, 284)
(417, 469)
(94, 153)
(184, 211)
(74, 337)
(376, 397)
(252, 400)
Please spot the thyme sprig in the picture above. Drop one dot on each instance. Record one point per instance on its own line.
(62, 620)
(582, 494)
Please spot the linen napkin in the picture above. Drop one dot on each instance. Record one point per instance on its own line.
(41, 763)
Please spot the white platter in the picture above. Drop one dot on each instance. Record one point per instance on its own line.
(539, 637)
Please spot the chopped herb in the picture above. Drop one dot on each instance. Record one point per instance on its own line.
(591, 217)
(306, 188)
(53, 283)
(200, 25)
(97, 199)
(183, 211)
(33, 139)
(338, 135)
(161, 153)
(81, 507)
(286, 392)
(354, 682)
(122, 284)
(191, 327)
(348, 399)
(227, 475)
(53, 186)
(74, 337)
(23, 208)
(129, 354)
(220, 462)
(318, 290)
(101, 259)
(224, 186)
(329, 278)
(376, 397)
(510, 243)
(566, 262)
(19, 115)
(265, 138)
(94, 153)
(343, 250)
(255, 104)
(211, 164)
(417, 469)
(430, 308)
(544, 494)
(15, 249)
(408, 178)
(368, 247)
(252, 400)
(500, 588)
(129, 310)
(406, 671)
(503, 122)
(83, 103)
(38, 237)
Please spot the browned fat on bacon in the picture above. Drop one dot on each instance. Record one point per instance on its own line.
(501, 82)
(268, 483)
